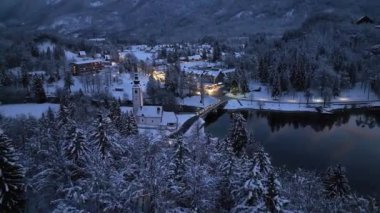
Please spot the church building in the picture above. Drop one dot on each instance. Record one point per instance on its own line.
(150, 116)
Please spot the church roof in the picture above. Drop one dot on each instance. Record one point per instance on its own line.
(150, 111)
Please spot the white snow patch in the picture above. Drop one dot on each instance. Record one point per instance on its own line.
(43, 47)
(52, 2)
(290, 13)
(96, 4)
(196, 101)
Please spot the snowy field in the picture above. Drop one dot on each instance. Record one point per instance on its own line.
(140, 52)
(34, 110)
(196, 101)
(121, 85)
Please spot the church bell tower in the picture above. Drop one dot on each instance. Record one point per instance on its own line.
(137, 96)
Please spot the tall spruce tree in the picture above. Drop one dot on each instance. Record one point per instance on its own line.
(11, 178)
(336, 183)
(75, 147)
(65, 112)
(238, 136)
(178, 185)
(39, 91)
(262, 161)
(273, 201)
(100, 137)
(132, 128)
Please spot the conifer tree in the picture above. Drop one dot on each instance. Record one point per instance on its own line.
(255, 186)
(238, 136)
(100, 136)
(75, 147)
(63, 115)
(262, 161)
(226, 200)
(68, 81)
(132, 128)
(39, 92)
(336, 183)
(115, 111)
(178, 167)
(273, 201)
(11, 177)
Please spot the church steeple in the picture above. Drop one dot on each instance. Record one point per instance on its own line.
(137, 96)
(136, 80)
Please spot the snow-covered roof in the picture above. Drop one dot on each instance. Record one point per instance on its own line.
(150, 111)
(39, 72)
(97, 39)
(88, 61)
(82, 53)
(168, 117)
(212, 73)
(228, 71)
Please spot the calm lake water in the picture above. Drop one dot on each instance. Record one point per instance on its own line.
(315, 141)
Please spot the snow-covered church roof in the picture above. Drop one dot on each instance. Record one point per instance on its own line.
(150, 111)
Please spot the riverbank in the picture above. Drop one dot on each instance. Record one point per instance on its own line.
(240, 104)
(259, 98)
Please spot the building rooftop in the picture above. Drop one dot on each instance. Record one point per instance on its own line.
(88, 61)
(150, 111)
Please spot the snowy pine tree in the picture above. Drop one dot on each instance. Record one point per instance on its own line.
(116, 116)
(11, 177)
(178, 187)
(39, 91)
(262, 161)
(100, 136)
(252, 192)
(273, 201)
(65, 112)
(132, 128)
(227, 158)
(75, 148)
(238, 136)
(115, 111)
(336, 183)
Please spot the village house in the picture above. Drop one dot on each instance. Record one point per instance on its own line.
(82, 54)
(87, 66)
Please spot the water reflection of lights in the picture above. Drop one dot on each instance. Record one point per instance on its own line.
(318, 100)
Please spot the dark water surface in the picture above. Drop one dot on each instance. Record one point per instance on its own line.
(315, 141)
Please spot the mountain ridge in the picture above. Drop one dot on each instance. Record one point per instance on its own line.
(181, 19)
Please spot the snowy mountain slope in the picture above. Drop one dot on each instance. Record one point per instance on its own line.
(174, 18)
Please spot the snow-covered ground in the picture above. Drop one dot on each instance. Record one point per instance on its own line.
(121, 85)
(125, 82)
(44, 46)
(35, 110)
(297, 101)
(140, 52)
(196, 101)
(71, 56)
(197, 126)
(182, 118)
